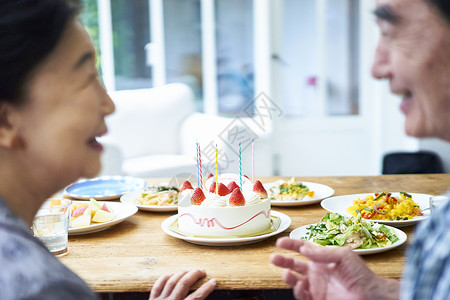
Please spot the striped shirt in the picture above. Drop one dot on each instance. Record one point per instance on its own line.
(28, 270)
(427, 271)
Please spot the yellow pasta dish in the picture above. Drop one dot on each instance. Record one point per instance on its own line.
(158, 195)
(384, 206)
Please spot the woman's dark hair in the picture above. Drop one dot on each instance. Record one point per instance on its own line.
(29, 31)
(443, 6)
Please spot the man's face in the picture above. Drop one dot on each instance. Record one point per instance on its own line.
(414, 54)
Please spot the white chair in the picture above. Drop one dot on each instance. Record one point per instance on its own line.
(143, 137)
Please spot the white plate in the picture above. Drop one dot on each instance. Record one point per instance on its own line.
(122, 211)
(284, 224)
(104, 187)
(321, 192)
(339, 204)
(301, 232)
(130, 196)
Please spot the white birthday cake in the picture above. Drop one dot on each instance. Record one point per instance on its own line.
(233, 207)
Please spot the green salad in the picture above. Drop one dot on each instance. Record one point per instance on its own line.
(336, 230)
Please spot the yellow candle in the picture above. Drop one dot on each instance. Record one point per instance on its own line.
(217, 172)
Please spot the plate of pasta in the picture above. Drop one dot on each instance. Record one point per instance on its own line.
(160, 198)
(390, 208)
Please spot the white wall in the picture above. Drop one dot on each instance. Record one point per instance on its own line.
(442, 148)
(333, 147)
(340, 146)
(327, 145)
(317, 147)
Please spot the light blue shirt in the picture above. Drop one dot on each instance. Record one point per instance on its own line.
(28, 270)
(427, 271)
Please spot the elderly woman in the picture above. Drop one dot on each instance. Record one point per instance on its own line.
(52, 109)
(413, 53)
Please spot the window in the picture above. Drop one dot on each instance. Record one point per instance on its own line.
(130, 34)
(211, 46)
(234, 40)
(182, 39)
(318, 57)
(89, 17)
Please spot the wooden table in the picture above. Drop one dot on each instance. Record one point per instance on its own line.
(130, 256)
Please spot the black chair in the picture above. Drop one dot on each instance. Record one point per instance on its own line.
(421, 162)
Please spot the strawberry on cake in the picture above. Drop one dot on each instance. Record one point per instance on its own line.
(231, 211)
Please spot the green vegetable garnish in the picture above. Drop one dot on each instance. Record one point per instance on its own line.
(337, 230)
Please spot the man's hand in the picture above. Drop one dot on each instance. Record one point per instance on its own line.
(331, 273)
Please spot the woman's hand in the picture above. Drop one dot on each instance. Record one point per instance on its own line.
(332, 273)
(177, 286)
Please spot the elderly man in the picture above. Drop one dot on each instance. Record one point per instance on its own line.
(413, 53)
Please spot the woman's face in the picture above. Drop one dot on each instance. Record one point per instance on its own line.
(414, 54)
(65, 110)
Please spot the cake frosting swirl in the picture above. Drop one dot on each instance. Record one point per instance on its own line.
(253, 198)
(214, 200)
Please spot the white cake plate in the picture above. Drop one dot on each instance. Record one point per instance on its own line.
(285, 222)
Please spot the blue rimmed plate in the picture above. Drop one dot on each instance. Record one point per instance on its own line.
(104, 187)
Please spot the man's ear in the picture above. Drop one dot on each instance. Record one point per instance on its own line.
(8, 137)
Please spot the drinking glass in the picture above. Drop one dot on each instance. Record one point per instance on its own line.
(51, 225)
(436, 201)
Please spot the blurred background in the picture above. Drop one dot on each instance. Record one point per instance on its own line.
(294, 73)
